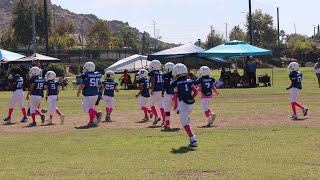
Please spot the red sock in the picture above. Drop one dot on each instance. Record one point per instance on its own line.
(38, 112)
(163, 114)
(92, 114)
(107, 110)
(10, 112)
(33, 115)
(187, 128)
(50, 117)
(110, 110)
(299, 105)
(24, 112)
(207, 113)
(167, 123)
(58, 112)
(294, 108)
(145, 110)
(155, 113)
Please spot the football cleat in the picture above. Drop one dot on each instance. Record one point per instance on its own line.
(193, 143)
(305, 111)
(24, 119)
(33, 124)
(145, 119)
(49, 121)
(92, 124)
(156, 120)
(7, 119)
(108, 119)
(163, 123)
(294, 117)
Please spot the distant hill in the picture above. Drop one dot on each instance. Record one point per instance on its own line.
(81, 21)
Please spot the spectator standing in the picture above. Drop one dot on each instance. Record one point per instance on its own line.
(317, 68)
(251, 70)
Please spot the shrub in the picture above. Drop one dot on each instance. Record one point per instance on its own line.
(57, 68)
(74, 69)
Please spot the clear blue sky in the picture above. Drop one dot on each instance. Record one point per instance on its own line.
(182, 21)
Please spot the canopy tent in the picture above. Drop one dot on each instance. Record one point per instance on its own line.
(132, 63)
(40, 57)
(6, 56)
(187, 54)
(235, 49)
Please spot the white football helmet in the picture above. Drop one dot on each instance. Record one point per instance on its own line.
(168, 67)
(204, 71)
(293, 66)
(109, 75)
(143, 73)
(179, 70)
(34, 71)
(50, 75)
(89, 67)
(155, 65)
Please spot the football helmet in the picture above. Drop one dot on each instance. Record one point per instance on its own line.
(179, 70)
(293, 66)
(204, 71)
(34, 71)
(168, 67)
(109, 75)
(89, 67)
(50, 75)
(143, 73)
(155, 65)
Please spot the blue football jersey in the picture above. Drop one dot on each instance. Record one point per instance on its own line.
(91, 80)
(38, 86)
(296, 78)
(206, 83)
(158, 86)
(109, 87)
(146, 85)
(168, 79)
(184, 86)
(52, 87)
(17, 83)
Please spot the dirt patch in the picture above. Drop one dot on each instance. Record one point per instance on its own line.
(192, 174)
(133, 120)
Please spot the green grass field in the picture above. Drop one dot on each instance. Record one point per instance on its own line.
(253, 139)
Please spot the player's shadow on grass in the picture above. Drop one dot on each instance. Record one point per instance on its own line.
(300, 119)
(47, 125)
(108, 121)
(85, 127)
(171, 130)
(154, 127)
(142, 121)
(207, 127)
(9, 124)
(182, 150)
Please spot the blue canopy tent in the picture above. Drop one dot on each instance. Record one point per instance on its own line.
(235, 49)
(187, 54)
(6, 56)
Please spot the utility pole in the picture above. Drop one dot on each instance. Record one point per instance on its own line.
(250, 24)
(34, 34)
(226, 32)
(211, 42)
(45, 14)
(295, 29)
(154, 34)
(278, 30)
(54, 33)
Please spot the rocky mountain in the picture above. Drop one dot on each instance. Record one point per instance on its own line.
(81, 21)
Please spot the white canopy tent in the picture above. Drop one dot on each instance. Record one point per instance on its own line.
(131, 64)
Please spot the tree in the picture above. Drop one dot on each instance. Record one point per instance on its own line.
(65, 27)
(264, 34)
(8, 40)
(22, 21)
(98, 35)
(126, 37)
(236, 34)
(300, 45)
(213, 41)
(145, 43)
